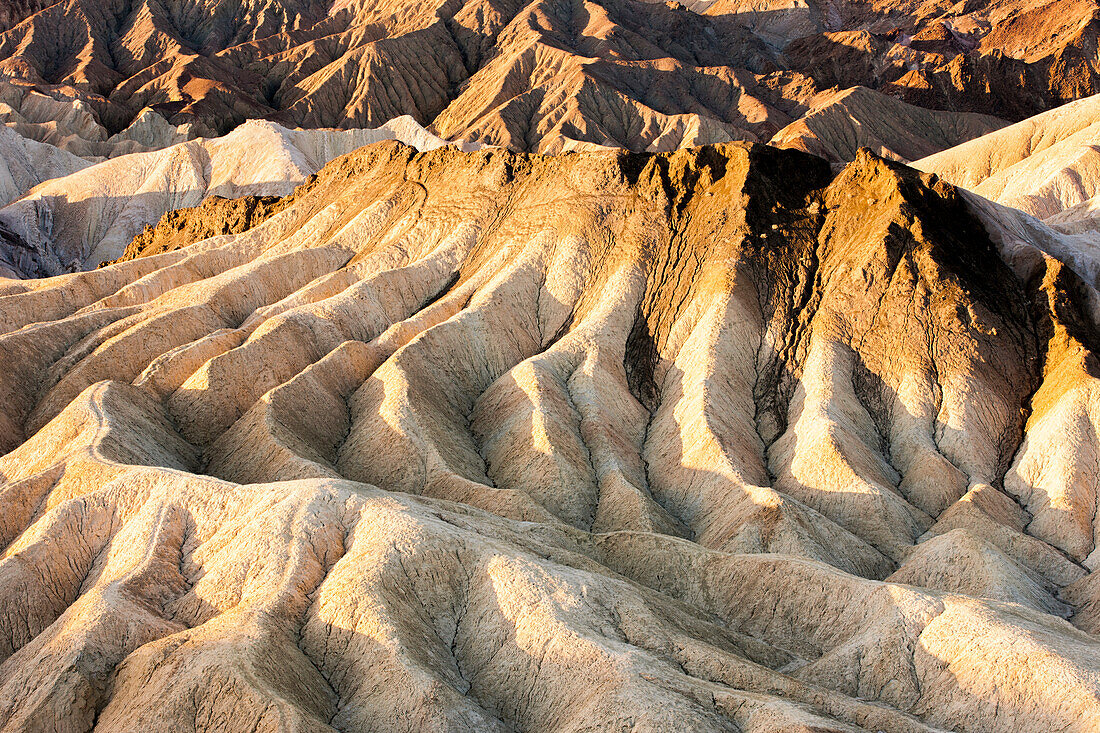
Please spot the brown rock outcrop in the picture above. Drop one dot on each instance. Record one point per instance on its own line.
(213, 217)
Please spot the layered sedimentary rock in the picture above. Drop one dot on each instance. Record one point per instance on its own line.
(711, 440)
(79, 221)
(546, 76)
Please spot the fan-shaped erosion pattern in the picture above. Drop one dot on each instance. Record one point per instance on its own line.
(708, 440)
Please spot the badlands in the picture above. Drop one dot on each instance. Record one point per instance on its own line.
(541, 76)
(717, 439)
(392, 366)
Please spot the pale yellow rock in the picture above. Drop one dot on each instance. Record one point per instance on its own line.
(1047, 166)
(710, 440)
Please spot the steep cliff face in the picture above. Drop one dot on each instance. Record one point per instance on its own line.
(717, 439)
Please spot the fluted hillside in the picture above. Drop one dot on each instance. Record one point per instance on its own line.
(718, 439)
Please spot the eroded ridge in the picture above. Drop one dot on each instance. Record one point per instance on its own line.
(717, 439)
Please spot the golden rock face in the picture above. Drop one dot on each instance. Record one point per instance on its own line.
(718, 439)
